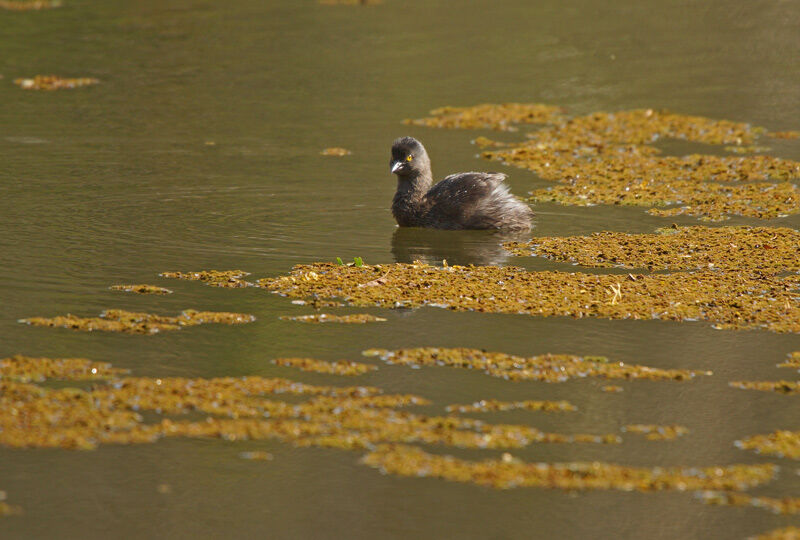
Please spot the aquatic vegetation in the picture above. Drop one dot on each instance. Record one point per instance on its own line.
(747, 149)
(341, 417)
(546, 367)
(53, 82)
(708, 201)
(779, 443)
(608, 158)
(215, 278)
(508, 472)
(493, 405)
(141, 289)
(28, 369)
(740, 249)
(611, 388)
(785, 505)
(349, 2)
(7, 509)
(485, 142)
(786, 533)
(340, 367)
(735, 300)
(500, 117)
(257, 455)
(29, 5)
(355, 318)
(784, 134)
(655, 432)
(130, 322)
(336, 151)
(781, 387)
(793, 361)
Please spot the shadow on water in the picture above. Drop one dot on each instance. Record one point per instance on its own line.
(456, 247)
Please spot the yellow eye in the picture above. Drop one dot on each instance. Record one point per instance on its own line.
(409, 158)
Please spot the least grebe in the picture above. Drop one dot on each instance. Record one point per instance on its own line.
(470, 200)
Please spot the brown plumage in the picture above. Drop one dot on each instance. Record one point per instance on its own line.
(470, 200)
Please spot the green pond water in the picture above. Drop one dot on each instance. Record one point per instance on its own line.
(115, 183)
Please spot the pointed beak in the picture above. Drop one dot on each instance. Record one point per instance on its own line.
(396, 166)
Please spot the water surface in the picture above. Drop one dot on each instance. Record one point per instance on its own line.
(118, 182)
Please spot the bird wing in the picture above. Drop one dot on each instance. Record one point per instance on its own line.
(457, 196)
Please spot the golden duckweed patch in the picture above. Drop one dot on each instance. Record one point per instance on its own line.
(355, 318)
(349, 417)
(28, 369)
(508, 473)
(216, 278)
(728, 300)
(339, 367)
(490, 116)
(53, 82)
(784, 134)
(546, 367)
(751, 249)
(747, 149)
(338, 152)
(786, 533)
(7, 509)
(785, 505)
(493, 405)
(349, 2)
(30, 5)
(141, 289)
(779, 443)
(655, 432)
(257, 455)
(781, 387)
(793, 361)
(130, 322)
(608, 158)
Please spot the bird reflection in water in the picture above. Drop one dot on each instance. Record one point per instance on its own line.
(431, 246)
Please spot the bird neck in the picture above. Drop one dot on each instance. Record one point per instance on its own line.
(409, 200)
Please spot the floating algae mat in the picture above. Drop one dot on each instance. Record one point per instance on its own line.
(546, 368)
(340, 367)
(779, 443)
(728, 300)
(781, 387)
(785, 505)
(655, 432)
(786, 533)
(793, 361)
(141, 289)
(336, 152)
(608, 158)
(7, 509)
(493, 405)
(349, 2)
(31, 5)
(341, 417)
(53, 82)
(29, 369)
(351, 418)
(131, 322)
(257, 455)
(216, 278)
(740, 249)
(356, 318)
(508, 473)
(489, 116)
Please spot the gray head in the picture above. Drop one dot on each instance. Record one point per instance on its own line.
(409, 158)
